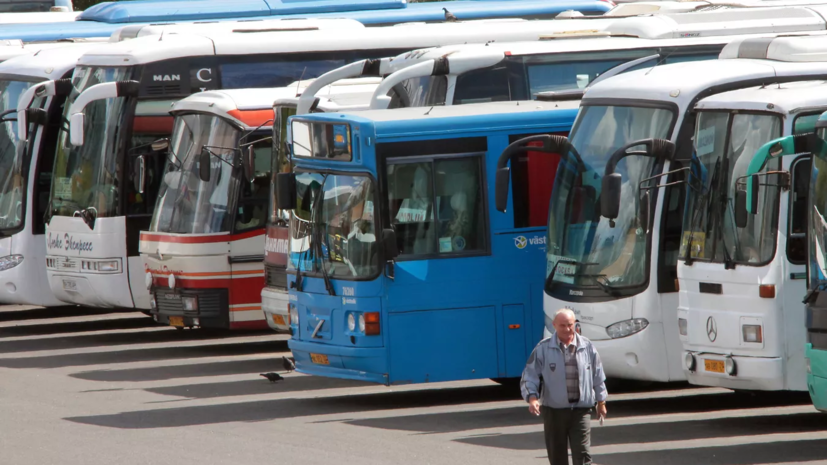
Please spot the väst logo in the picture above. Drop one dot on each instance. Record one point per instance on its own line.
(521, 241)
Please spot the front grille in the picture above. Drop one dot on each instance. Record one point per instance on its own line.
(211, 302)
(275, 276)
(159, 90)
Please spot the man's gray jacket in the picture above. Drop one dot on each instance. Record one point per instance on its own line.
(548, 361)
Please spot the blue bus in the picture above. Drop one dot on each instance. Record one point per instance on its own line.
(399, 270)
(104, 19)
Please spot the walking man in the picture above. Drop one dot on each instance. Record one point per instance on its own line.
(573, 385)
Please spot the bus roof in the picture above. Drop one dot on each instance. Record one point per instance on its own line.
(32, 18)
(47, 63)
(441, 121)
(786, 98)
(273, 25)
(429, 11)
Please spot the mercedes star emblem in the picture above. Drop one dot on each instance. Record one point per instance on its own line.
(711, 329)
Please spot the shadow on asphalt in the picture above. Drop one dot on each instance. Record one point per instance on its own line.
(146, 355)
(772, 452)
(257, 385)
(194, 370)
(140, 321)
(112, 338)
(59, 312)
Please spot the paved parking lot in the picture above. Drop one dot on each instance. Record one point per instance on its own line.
(80, 386)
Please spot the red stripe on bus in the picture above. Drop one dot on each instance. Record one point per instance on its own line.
(258, 324)
(198, 239)
(253, 118)
(153, 124)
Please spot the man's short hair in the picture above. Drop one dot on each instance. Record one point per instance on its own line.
(567, 311)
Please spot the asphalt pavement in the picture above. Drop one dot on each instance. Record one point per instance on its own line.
(81, 386)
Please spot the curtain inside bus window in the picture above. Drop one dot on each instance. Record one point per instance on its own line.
(251, 211)
(459, 205)
(533, 178)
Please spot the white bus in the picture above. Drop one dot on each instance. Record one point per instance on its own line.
(615, 221)
(740, 315)
(120, 105)
(25, 176)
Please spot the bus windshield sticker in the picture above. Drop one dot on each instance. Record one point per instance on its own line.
(706, 141)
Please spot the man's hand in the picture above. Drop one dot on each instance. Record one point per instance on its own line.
(601, 410)
(534, 405)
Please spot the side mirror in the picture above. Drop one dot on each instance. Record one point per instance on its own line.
(501, 188)
(643, 211)
(204, 159)
(36, 116)
(610, 196)
(140, 174)
(160, 145)
(248, 163)
(76, 129)
(741, 209)
(389, 244)
(286, 191)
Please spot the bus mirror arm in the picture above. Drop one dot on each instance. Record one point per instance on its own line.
(59, 87)
(389, 244)
(361, 68)
(286, 191)
(102, 91)
(551, 144)
(611, 185)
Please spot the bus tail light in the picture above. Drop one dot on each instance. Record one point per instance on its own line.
(766, 291)
(371, 323)
(293, 314)
(752, 333)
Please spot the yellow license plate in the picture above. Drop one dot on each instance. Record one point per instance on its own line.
(319, 359)
(279, 320)
(715, 366)
(176, 321)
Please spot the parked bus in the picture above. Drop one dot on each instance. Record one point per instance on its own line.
(742, 277)
(615, 220)
(91, 199)
(103, 19)
(392, 237)
(25, 175)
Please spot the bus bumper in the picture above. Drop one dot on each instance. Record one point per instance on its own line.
(362, 364)
(752, 373)
(274, 305)
(639, 356)
(817, 377)
(212, 312)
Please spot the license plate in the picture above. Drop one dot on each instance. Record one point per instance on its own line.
(715, 366)
(319, 359)
(176, 321)
(279, 320)
(70, 285)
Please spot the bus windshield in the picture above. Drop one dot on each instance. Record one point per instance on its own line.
(818, 218)
(87, 177)
(333, 226)
(12, 157)
(584, 248)
(724, 145)
(186, 204)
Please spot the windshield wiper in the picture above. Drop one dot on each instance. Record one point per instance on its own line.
(327, 283)
(706, 201)
(605, 286)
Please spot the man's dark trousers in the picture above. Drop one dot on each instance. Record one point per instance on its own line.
(563, 426)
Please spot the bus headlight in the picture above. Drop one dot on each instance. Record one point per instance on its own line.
(294, 314)
(627, 327)
(10, 261)
(729, 366)
(689, 360)
(190, 303)
(682, 326)
(351, 322)
(361, 322)
(109, 266)
(752, 333)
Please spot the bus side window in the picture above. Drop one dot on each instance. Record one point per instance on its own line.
(436, 206)
(145, 130)
(251, 212)
(797, 227)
